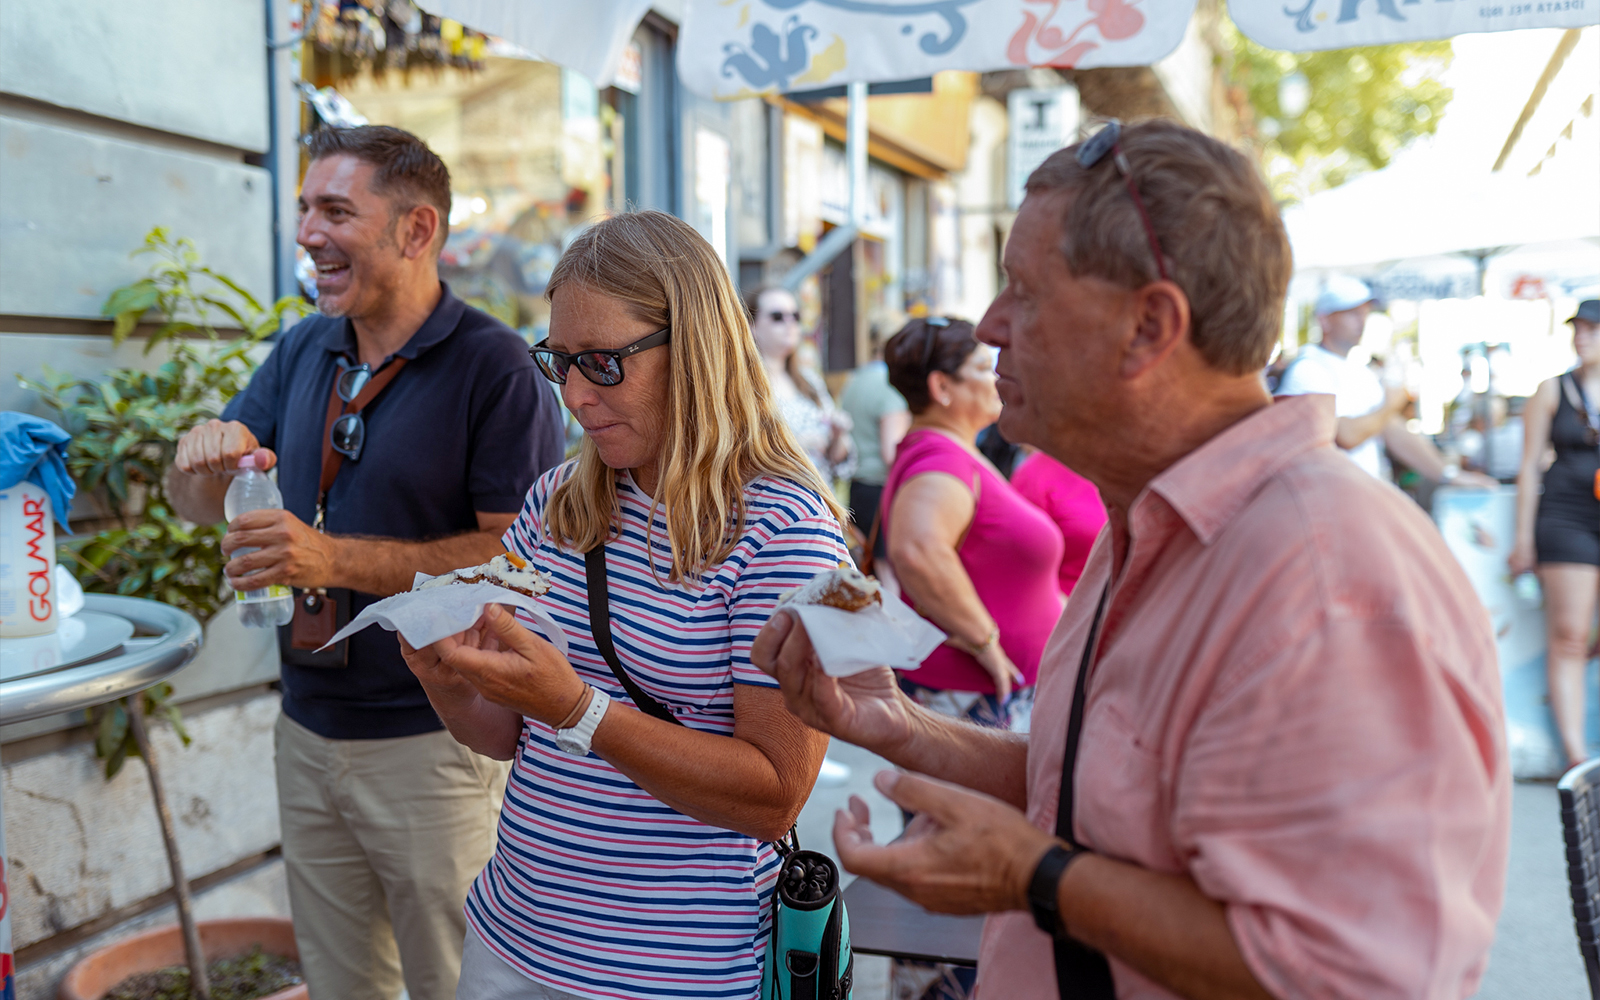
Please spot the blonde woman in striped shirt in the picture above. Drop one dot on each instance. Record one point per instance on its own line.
(640, 866)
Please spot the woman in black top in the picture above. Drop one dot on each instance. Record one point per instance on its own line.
(1558, 532)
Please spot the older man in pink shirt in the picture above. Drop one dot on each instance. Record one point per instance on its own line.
(1273, 690)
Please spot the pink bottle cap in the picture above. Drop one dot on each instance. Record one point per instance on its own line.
(247, 461)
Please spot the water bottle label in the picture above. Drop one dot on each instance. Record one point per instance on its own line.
(271, 593)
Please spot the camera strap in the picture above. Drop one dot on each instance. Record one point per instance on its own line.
(331, 459)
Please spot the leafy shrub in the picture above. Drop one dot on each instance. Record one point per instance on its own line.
(126, 424)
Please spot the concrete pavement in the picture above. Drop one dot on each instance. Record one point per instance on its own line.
(1535, 954)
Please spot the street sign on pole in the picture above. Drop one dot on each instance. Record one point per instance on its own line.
(1042, 121)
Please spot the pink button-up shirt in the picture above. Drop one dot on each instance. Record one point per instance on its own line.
(1296, 702)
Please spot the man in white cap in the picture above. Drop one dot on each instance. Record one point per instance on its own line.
(1369, 413)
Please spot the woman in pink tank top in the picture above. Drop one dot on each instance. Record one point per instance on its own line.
(973, 556)
(1071, 501)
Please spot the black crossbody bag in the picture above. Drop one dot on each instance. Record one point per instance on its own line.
(1081, 972)
(820, 964)
(594, 569)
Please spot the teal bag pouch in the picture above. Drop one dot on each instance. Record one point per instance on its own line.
(808, 951)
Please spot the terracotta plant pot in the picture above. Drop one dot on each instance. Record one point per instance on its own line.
(100, 970)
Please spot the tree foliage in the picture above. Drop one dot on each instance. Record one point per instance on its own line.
(125, 425)
(1361, 107)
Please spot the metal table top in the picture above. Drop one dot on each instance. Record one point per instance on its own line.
(173, 640)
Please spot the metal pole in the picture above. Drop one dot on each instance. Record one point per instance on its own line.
(7, 955)
(855, 151)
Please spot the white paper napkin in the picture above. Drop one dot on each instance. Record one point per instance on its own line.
(426, 616)
(848, 642)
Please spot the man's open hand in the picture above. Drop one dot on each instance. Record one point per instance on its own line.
(963, 853)
(215, 447)
(289, 552)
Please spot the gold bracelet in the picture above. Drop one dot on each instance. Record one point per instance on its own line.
(573, 716)
(975, 649)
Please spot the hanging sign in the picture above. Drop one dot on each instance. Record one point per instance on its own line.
(741, 48)
(1303, 25)
(1042, 121)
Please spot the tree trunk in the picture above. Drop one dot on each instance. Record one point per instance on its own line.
(199, 985)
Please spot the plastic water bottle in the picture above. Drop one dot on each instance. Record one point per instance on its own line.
(250, 490)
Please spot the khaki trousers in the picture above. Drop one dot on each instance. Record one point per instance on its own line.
(381, 839)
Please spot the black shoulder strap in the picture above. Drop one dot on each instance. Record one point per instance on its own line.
(1081, 972)
(594, 563)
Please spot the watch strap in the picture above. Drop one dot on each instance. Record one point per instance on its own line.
(577, 739)
(1043, 894)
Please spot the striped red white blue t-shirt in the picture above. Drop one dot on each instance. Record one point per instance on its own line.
(596, 887)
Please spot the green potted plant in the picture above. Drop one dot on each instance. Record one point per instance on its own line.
(125, 427)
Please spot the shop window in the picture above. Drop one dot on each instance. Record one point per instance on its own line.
(535, 154)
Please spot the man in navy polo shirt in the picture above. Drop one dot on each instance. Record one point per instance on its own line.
(386, 818)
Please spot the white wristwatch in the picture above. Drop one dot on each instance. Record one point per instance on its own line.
(575, 738)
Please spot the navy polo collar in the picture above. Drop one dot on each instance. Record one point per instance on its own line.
(340, 338)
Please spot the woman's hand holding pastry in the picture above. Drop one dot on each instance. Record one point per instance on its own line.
(866, 709)
(511, 666)
(445, 686)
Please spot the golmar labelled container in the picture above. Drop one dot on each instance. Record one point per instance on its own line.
(27, 562)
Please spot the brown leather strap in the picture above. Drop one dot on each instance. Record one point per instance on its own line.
(331, 460)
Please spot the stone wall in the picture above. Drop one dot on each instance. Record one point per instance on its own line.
(117, 116)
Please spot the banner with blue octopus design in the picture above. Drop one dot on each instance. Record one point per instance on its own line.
(1305, 25)
(740, 48)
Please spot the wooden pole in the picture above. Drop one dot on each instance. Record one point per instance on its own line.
(199, 984)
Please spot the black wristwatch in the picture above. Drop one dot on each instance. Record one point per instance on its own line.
(1042, 898)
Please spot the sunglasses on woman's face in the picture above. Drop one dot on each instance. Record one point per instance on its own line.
(779, 316)
(599, 367)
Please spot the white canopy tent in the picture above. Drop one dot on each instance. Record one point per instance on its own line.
(1414, 211)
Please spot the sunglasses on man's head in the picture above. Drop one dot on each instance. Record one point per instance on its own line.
(600, 367)
(1093, 150)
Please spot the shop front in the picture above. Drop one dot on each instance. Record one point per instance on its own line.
(536, 152)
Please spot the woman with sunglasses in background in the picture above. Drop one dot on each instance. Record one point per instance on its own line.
(1558, 521)
(971, 554)
(653, 764)
(822, 429)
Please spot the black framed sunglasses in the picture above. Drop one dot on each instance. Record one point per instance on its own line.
(352, 379)
(599, 367)
(349, 432)
(779, 316)
(1093, 151)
